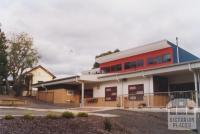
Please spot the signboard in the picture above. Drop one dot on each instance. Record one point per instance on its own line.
(181, 117)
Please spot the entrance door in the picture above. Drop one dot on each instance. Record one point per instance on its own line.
(88, 93)
(160, 84)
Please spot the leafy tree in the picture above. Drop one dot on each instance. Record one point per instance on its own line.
(96, 65)
(108, 53)
(21, 55)
(3, 59)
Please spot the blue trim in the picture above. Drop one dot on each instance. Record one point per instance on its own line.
(183, 54)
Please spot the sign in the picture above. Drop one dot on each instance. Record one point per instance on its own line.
(180, 117)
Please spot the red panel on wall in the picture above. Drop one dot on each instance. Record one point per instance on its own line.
(144, 57)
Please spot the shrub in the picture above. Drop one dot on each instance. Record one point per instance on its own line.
(142, 105)
(68, 115)
(107, 125)
(8, 117)
(28, 117)
(51, 116)
(82, 114)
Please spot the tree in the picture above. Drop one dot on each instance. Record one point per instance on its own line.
(21, 55)
(108, 53)
(96, 65)
(3, 60)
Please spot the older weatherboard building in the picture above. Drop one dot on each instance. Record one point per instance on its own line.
(148, 75)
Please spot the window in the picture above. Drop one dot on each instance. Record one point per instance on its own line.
(117, 67)
(70, 92)
(166, 58)
(158, 59)
(106, 69)
(140, 63)
(155, 60)
(129, 65)
(88, 93)
(136, 92)
(150, 61)
(110, 93)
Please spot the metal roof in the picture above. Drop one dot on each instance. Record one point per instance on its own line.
(67, 80)
(134, 51)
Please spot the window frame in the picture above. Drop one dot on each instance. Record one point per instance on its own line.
(131, 64)
(169, 58)
(112, 94)
(116, 68)
(70, 92)
(106, 69)
(136, 94)
(140, 63)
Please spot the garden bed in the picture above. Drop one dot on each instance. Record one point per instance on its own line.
(61, 125)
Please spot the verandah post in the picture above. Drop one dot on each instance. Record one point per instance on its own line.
(196, 88)
(82, 94)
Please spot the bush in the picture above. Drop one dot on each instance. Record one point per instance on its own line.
(142, 105)
(8, 117)
(68, 115)
(107, 125)
(82, 114)
(51, 116)
(28, 117)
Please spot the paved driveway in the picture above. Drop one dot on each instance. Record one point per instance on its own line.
(146, 122)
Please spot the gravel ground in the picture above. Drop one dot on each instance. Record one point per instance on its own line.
(39, 125)
(129, 122)
(146, 122)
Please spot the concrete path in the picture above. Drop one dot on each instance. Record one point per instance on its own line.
(159, 109)
(20, 111)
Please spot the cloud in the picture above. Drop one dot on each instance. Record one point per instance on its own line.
(69, 33)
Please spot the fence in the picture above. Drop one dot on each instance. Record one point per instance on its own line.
(46, 96)
(157, 99)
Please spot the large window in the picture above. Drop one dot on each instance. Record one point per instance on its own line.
(129, 65)
(166, 58)
(106, 69)
(140, 63)
(159, 59)
(136, 92)
(110, 93)
(134, 64)
(117, 67)
(150, 61)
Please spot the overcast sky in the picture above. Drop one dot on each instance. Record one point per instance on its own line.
(69, 33)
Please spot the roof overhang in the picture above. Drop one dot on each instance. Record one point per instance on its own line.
(74, 80)
(68, 80)
(187, 66)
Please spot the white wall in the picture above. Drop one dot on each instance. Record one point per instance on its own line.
(40, 75)
(99, 91)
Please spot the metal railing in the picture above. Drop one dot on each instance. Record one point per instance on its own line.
(156, 99)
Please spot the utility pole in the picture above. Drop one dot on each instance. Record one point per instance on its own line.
(177, 51)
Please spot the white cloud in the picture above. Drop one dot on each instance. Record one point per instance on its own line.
(69, 33)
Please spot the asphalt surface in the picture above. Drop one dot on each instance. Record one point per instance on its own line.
(147, 122)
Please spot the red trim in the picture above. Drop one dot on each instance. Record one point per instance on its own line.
(144, 57)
